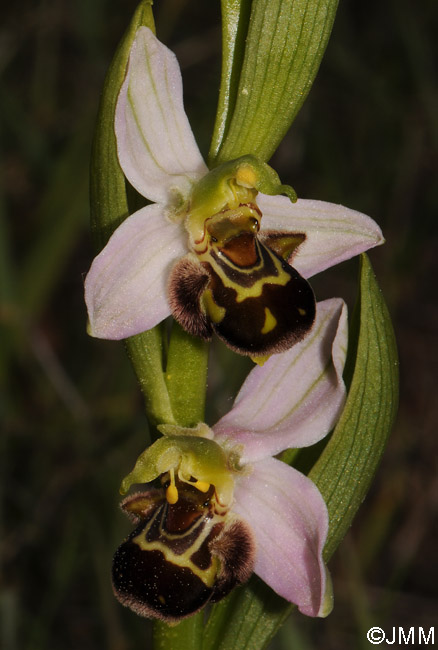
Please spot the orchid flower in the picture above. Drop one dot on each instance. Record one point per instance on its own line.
(214, 248)
(227, 507)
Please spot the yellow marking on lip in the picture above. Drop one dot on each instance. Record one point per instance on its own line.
(270, 322)
(214, 311)
(183, 560)
(282, 278)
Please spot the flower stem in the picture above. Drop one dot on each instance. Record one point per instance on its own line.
(146, 354)
(186, 376)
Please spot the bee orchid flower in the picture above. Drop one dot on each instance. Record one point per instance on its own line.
(226, 506)
(225, 251)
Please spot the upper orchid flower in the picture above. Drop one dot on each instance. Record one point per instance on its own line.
(203, 251)
(226, 506)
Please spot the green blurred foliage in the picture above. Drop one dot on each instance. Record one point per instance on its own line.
(72, 418)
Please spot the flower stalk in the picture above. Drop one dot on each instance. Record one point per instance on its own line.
(186, 376)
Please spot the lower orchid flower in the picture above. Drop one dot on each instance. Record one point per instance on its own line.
(225, 507)
(215, 248)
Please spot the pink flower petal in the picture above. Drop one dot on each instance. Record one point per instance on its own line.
(333, 233)
(290, 521)
(295, 399)
(156, 147)
(126, 287)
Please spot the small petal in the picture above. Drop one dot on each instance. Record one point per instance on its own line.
(296, 397)
(156, 147)
(126, 287)
(333, 233)
(289, 518)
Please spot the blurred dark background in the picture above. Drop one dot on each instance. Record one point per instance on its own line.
(72, 418)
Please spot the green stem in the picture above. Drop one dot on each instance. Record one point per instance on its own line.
(186, 376)
(146, 354)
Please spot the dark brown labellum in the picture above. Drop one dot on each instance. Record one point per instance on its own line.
(277, 316)
(246, 292)
(180, 556)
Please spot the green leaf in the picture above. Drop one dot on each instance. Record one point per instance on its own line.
(345, 469)
(235, 20)
(343, 472)
(285, 42)
(186, 635)
(247, 619)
